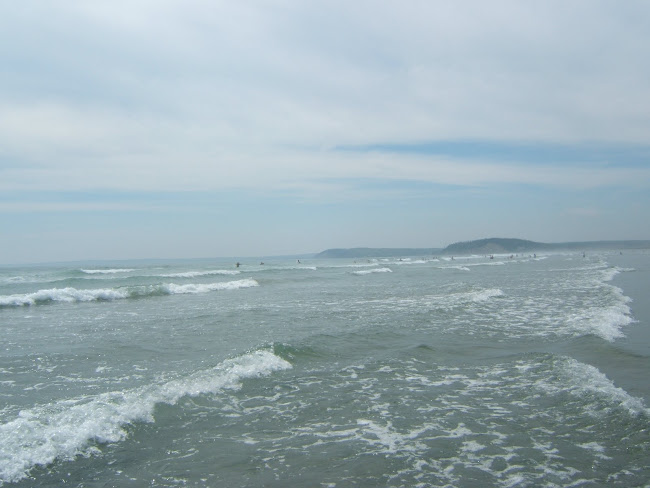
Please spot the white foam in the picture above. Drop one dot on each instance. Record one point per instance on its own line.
(62, 295)
(384, 436)
(609, 273)
(460, 268)
(174, 289)
(472, 446)
(65, 429)
(595, 447)
(588, 380)
(107, 271)
(14, 279)
(75, 295)
(484, 295)
(375, 270)
(444, 302)
(195, 274)
(357, 265)
(266, 267)
(605, 321)
(410, 261)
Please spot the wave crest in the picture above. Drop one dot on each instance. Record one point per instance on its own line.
(39, 436)
(370, 271)
(107, 271)
(108, 294)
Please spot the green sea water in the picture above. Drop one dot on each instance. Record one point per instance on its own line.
(472, 372)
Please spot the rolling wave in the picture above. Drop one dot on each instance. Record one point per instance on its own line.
(107, 271)
(66, 429)
(69, 295)
(370, 271)
(196, 274)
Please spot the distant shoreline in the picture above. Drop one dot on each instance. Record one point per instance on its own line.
(493, 245)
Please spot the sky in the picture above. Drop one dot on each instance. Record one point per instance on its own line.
(203, 128)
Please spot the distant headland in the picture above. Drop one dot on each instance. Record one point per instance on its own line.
(493, 245)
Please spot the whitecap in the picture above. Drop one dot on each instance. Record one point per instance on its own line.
(107, 271)
(459, 268)
(174, 289)
(70, 295)
(584, 380)
(64, 430)
(62, 295)
(370, 271)
(195, 274)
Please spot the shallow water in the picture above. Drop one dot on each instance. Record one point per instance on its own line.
(419, 372)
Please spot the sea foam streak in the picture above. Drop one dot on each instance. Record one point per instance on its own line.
(65, 429)
(108, 294)
(586, 381)
(195, 274)
(62, 295)
(174, 289)
(605, 320)
(374, 270)
(107, 271)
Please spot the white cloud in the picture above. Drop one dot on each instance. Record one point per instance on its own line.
(155, 95)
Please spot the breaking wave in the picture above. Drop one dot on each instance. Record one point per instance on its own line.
(69, 294)
(63, 430)
(107, 271)
(374, 270)
(195, 274)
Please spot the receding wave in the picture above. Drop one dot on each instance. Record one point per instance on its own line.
(70, 295)
(43, 434)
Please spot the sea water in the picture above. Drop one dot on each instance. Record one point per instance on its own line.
(422, 371)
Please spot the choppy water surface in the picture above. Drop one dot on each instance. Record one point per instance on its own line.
(472, 372)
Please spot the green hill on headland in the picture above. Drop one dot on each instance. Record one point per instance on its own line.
(497, 245)
(493, 245)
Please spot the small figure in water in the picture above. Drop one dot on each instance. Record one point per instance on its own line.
(298, 261)
(237, 264)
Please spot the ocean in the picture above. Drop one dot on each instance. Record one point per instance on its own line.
(522, 371)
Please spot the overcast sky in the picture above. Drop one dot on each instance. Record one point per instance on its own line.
(199, 128)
